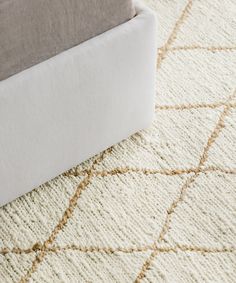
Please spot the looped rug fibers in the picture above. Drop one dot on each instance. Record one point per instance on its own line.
(161, 205)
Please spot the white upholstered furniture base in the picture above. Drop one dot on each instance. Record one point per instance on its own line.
(76, 104)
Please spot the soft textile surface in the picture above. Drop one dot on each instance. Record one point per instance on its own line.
(32, 31)
(160, 206)
(65, 110)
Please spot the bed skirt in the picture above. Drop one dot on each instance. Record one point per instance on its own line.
(59, 113)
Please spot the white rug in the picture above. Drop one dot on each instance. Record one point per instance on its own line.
(160, 206)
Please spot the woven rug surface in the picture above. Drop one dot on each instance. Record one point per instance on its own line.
(161, 205)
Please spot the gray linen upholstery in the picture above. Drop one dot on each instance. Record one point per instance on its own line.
(32, 31)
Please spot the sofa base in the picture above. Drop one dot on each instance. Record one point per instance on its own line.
(76, 104)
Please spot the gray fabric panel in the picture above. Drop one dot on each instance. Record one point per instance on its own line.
(32, 31)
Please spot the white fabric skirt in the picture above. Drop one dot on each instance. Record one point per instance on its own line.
(59, 113)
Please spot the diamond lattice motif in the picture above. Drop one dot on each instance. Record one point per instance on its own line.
(160, 206)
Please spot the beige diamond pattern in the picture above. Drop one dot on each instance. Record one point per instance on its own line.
(164, 242)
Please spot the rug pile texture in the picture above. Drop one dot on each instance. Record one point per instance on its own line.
(161, 205)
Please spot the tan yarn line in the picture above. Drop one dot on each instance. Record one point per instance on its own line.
(127, 169)
(194, 106)
(146, 171)
(164, 50)
(170, 212)
(43, 249)
(199, 47)
(108, 250)
(66, 216)
(161, 55)
(117, 171)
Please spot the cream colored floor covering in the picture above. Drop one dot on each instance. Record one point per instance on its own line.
(160, 206)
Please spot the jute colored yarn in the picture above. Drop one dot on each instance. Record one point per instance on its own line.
(161, 205)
